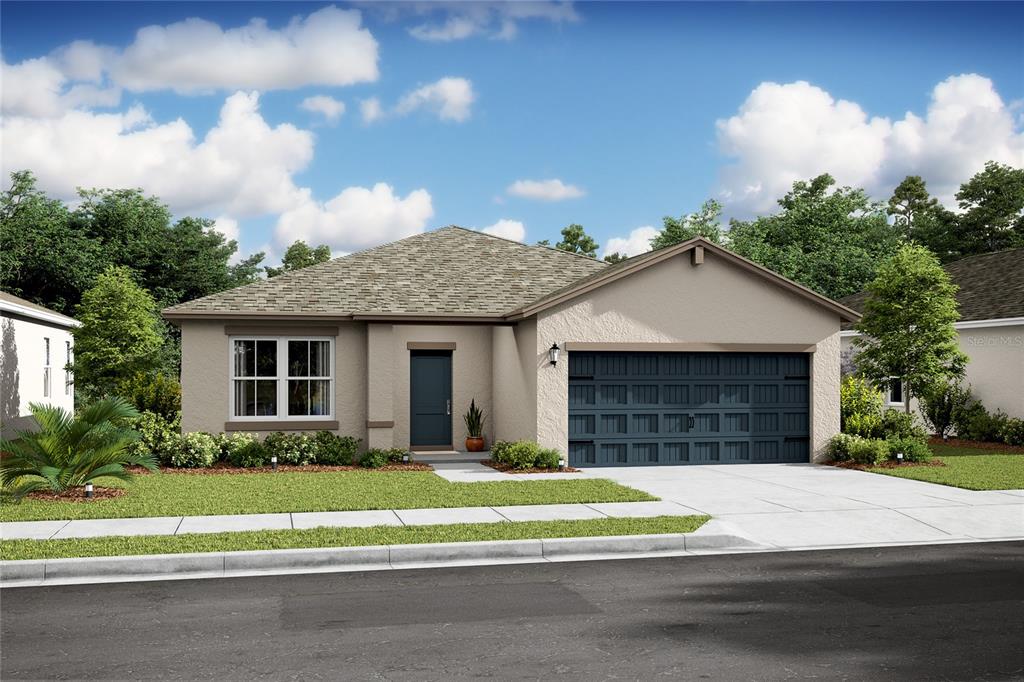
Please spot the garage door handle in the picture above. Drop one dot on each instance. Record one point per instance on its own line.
(448, 407)
(690, 424)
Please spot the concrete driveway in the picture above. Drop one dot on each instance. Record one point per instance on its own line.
(802, 506)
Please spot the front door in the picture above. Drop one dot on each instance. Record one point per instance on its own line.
(430, 398)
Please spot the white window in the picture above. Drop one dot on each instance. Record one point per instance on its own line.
(46, 367)
(894, 392)
(281, 378)
(68, 378)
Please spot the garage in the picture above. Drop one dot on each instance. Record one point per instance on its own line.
(648, 408)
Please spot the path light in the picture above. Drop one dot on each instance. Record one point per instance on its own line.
(405, 458)
(88, 488)
(561, 463)
(553, 353)
(899, 457)
(273, 462)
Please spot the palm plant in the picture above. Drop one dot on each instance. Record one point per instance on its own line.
(69, 451)
(474, 420)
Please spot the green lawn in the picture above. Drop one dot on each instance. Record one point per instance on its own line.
(175, 494)
(966, 467)
(343, 537)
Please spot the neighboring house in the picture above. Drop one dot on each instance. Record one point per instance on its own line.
(687, 355)
(35, 348)
(991, 327)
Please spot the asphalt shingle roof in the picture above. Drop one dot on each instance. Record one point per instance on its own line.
(991, 286)
(447, 271)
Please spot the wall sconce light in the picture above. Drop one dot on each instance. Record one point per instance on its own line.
(553, 353)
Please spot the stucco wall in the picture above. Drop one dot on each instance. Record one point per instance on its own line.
(22, 358)
(679, 303)
(996, 368)
(515, 367)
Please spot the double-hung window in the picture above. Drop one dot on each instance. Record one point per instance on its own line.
(68, 377)
(281, 378)
(894, 392)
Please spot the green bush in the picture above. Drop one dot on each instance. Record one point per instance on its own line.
(335, 450)
(1012, 432)
(897, 424)
(230, 443)
(839, 446)
(251, 454)
(974, 422)
(374, 458)
(913, 449)
(158, 436)
(869, 450)
(940, 403)
(524, 454)
(860, 407)
(197, 450)
(291, 448)
(156, 393)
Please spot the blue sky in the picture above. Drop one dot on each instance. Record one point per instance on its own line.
(637, 110)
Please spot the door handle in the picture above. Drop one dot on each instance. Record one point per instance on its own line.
(689, 426)
(448, 407)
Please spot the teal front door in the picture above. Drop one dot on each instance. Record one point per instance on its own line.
(430, 398)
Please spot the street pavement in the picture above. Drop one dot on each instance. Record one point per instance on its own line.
(950, 612)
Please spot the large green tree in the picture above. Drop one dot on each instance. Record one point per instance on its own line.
(706, 222)
(830, 241)
(910, 205)
(992, 210)
(576, 240)
(907, 329)
(299, 256)
(120, 334)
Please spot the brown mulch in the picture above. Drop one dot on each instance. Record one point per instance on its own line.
(76, 495)
(887, 465)
(221, 468)
(505, 468)
(981, 445)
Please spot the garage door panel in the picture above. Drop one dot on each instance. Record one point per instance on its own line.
(640, 409)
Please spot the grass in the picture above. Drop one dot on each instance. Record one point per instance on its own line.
(175, 494)
(967, 467)
(343, 537)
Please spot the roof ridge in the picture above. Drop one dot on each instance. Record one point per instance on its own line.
(982, 255)
(523, 244)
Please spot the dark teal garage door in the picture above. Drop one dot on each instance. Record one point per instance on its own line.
(633, 409)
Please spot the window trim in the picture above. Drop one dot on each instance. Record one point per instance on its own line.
(47, 372)
(281, 377)
(69, 377)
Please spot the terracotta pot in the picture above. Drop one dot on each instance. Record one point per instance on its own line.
(474, 444)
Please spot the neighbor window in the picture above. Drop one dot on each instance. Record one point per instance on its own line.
(895, 392)
(68, 378)
(281, 378)
(46, 367)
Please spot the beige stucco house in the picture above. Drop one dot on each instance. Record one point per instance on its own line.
(686, 355)
(991, 328)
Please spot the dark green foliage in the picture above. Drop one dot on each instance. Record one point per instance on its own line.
(913, 449)
(250, 454)
(911, 206)
(575, 240)
(524, 454)
(158, 436)
(291, 448)
(940, 402)
(614, 258)
(156, 393)
(474, 419)
(896, 424)
(1012, 431)
(706, 223)
(974, 422)
(299, 256)
(68, 451)
(335, 450)
(375, 458)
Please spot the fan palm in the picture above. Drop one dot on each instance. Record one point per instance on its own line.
(68, 451)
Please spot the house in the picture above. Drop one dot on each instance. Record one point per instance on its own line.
(991, 328)
(35, 348)
(686, 355)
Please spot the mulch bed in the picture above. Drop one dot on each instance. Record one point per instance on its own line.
(76, 495)
(505, 468)
(981, 445)
(222, 468)
(887, 465)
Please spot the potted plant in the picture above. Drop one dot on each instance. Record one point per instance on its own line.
(474, 427)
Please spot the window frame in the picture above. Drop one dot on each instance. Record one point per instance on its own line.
(47, 373)
(893, 381)
(69, 377)
(281, 378)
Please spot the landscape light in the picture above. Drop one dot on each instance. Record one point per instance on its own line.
(405, 458)
(88, 488)
(899, 457)
(561, 462)
(273, 462)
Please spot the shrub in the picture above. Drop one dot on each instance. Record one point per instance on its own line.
(158, 436)
(913, 449)
(974, 422)
(157, 393)
(547, 458)
(524, 454)
(1012, 432)
(839, 446)
(374, 458)
(196, 450)
(896, 424)
(291, 448)
(940, 404)
(251, 454)
(860, 407)
(868, 450)
(335, 450)
(230, 443)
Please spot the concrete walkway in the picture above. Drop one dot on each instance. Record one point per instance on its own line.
(177, 525)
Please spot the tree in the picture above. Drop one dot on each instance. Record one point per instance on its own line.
(910, 203)
(907, 328)
(575, 240)
(704, 223)
(992, 205)
(299, 256)
(831, 242)
(614, 258)
(120, 333)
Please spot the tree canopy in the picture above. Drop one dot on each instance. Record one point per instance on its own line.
(299, 256)
(576, 240)
(706, 222)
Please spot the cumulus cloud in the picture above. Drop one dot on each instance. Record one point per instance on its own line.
(787, 132)
(638, 241)
(242, 167)
(450, 98)
(227, 226)
(328, 107)
(356, 218)
(544, 190)
(498, 20)
(38, 87)
(509, 229)
(370, 109)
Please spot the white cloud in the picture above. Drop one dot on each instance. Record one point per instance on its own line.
(498, 20)
(330, 108)
(544, 190)
(227, 226)
(449, 97)
(242, 167)
(356, 218)
(638, 241)
(509, 229)
(38, 87)
(793, 131)
(370, 109)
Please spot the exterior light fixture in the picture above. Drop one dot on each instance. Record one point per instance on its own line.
(405, 458)
(553, 353)
(88, 488)
(561, 462)
(899, 457)
(273, 462)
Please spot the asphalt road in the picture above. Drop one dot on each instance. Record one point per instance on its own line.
(940, 612)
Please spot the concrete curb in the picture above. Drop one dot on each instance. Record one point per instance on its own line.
(228, 564)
